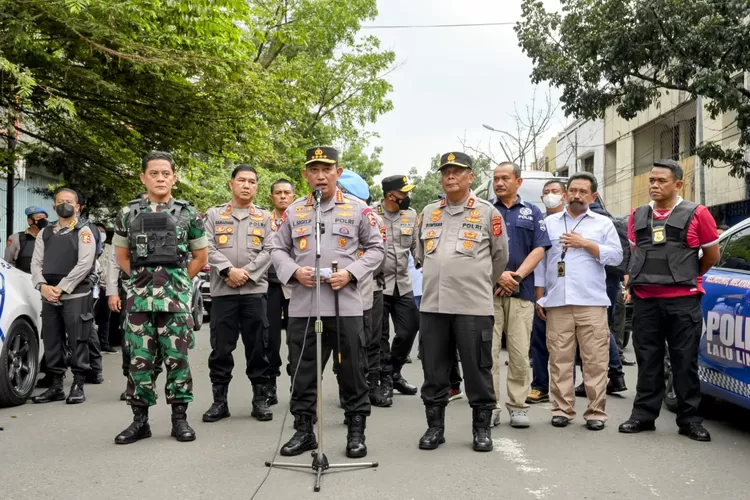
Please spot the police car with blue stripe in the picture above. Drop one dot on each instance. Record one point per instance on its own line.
(724, 355)
(20, 324)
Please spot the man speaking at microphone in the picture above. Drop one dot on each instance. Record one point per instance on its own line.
(348, 225)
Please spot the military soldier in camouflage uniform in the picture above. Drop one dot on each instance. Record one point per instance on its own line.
(349, 224)
(153, 240)
(464, 250)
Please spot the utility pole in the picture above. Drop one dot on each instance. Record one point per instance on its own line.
(699, 143)
(10, 165)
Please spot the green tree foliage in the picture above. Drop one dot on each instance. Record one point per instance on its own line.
(626, 54)
(97, 84)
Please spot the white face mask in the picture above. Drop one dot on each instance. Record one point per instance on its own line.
(552, 200)
(103, 237)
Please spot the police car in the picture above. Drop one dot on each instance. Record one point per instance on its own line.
(20, 324)
(724, 355)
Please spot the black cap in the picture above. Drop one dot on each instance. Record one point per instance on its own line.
(396, 183)
(456, 159)
(322, 154)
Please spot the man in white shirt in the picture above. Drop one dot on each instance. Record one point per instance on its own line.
(583, 242)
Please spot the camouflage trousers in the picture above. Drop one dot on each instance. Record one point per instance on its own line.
(153, 335)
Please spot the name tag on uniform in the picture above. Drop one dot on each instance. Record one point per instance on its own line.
(561, 269)
(658, 237)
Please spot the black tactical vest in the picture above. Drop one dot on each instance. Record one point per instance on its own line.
(61, 256)
(27, 241)
(158, 238)
(672, 262)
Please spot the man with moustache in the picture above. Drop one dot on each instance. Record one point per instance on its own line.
(238, 234)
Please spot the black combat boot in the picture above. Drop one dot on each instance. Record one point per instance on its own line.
(303, 440)
(401, 385)
(377, 397)
(54, 393)
(481, 429)
(181, 430)
(272, 398)
(219, 409)
(261, 411)
(355, 437)
(434, 436)
(76, 395)
(138, 430)
(45, 382)
(95, 378)
(386, 386)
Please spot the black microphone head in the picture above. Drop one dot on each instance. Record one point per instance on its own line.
(318, 194)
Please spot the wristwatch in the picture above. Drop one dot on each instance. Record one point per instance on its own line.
(225, 272)
(39, 286)
(352, 278)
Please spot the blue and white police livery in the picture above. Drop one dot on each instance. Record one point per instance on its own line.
(20, 324)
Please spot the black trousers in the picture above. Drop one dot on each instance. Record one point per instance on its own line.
(70, 324)
(101, 317)
(678, 323)
(373, 336)
(231, 317)
(405, 314)
(472, 335)
(353, 390)
(277, 306)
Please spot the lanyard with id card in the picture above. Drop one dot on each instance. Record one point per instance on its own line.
(561, 264)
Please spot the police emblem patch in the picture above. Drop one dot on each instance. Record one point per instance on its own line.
(257, 232)
(497, 225)
(430, 245)
(474, 213)
(468, 245)
(342, 242)
(303, 243)
(230, 229)
(256, 241)
(525, 211)
(86, 237)
(223, 239)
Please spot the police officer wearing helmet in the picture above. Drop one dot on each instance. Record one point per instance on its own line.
(154, 238)
(20, 247)
(238, 234)
(349, 224)
(398, 298)
(463, 249)
(61, 267)
(371, 290)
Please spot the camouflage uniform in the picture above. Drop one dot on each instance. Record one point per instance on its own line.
(159, 319)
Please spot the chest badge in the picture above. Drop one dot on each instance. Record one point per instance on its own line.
(303, 243)
(430, 245)
(223, 239)
(342, 242)
(256, 241)
(657, 236)
(468, 245)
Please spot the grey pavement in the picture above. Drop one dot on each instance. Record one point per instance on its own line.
(59, 451)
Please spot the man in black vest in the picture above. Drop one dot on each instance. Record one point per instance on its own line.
(61, 267)
(666, 237)
(20, 247)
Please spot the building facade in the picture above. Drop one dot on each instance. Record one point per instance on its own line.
(25, 195)
(580, 148)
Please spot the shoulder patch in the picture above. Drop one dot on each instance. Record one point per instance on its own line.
(367, 212)
(497, 225)
(86, 237)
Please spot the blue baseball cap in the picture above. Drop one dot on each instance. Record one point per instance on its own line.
(35, 210)
(352, 183)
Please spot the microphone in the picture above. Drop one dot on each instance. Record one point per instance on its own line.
(317, 195)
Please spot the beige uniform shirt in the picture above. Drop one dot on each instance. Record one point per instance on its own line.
(368, 286)
(12, 249)
(401, 229)
(349, 225)
(238, 238)
(464, 250)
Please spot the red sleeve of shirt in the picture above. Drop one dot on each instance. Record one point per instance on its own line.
(631, 227)
(702, 230)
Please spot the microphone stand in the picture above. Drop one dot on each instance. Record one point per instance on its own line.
(320, 461)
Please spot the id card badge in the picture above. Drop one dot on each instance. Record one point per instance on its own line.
(561, 269)
(658, 237)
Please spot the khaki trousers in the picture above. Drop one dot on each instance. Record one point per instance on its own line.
(585, 326)
(514, 317)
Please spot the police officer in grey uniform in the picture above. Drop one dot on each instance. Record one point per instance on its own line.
(398, 299)
(348, 224)
(464, 250)
(238, 233)
(61, 267)
(20, 247)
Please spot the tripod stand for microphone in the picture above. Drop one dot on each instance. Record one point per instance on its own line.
(320, 461)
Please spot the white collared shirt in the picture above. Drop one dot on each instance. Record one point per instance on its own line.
(584, 283)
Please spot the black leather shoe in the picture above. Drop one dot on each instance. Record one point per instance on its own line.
(434, 436)
(594, 425)
(181, 429)
(94, 378)
(634, 426)
(54, 393)
(558, 421)
(377, 398)
(219, 408)
(355, 438)
(696, 432)
(303, 440)
(139, 429)
(580, 391)
(616, 384)
(402, 386)
(76, 395)
(626, 362)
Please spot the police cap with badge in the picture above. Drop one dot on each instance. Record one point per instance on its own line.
(396, 183)
(455, 159)
(35, 210)
(322, 154)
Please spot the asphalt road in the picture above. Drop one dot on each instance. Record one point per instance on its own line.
(57, 451)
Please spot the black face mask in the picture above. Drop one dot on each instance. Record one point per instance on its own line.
(65, 210)
(404, 204)
(41, 223)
